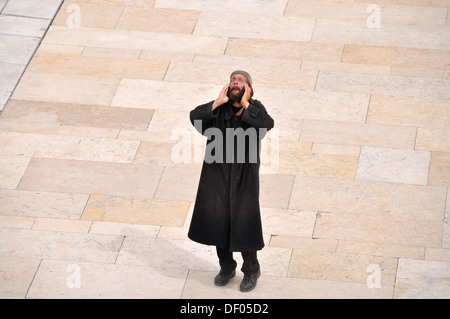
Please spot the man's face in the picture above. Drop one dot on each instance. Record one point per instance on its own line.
(237, 87)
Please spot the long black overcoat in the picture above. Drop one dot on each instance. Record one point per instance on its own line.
(226, 212)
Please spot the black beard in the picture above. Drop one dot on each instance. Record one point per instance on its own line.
(235, 97)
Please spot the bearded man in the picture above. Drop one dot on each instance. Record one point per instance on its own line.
(227, 212)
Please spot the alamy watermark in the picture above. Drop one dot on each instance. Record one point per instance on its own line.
(235, 145)
(74, 279)
(374, 279)
(374, 20)
(74, 18)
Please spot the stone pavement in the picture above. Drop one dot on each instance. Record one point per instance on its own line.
(94, 202)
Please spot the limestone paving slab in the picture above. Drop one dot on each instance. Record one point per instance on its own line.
(44, 9)
(16, 275)
(422, 279)
(59, 279)
(341, 267)
(23, 26)
(433, 139)
(272, 28)
(38, 244)
(67, 88)
(98, 66)
(83, 131)
(358, 134)
(85, 177)
(77, 114)
(379, 229)
(437, 254)
(141, 211)
(357, 32)
(407, 111)
(91, 15)
(395, 56)
(368, 198)
(67, 147)
(42, 204)
(33, 128)
(384, 85)
(326, 165)
(291, 50)
(415, 72)
(17, 222)
(394, 166)
(17, 49)
(162, 20)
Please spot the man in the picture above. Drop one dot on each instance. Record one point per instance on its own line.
(226, 212)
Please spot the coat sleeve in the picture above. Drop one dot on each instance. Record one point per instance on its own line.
(202, 117)
(257, 116)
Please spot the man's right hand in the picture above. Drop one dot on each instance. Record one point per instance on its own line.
(223, 97)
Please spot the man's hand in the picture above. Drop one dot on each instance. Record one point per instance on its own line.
(246, 96)
(222, 99)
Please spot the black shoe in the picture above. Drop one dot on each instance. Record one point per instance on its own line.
(223, 277)
(249, 281)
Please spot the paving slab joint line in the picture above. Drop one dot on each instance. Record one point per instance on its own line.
(395, 278)
(185, 282)
(32, 280)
